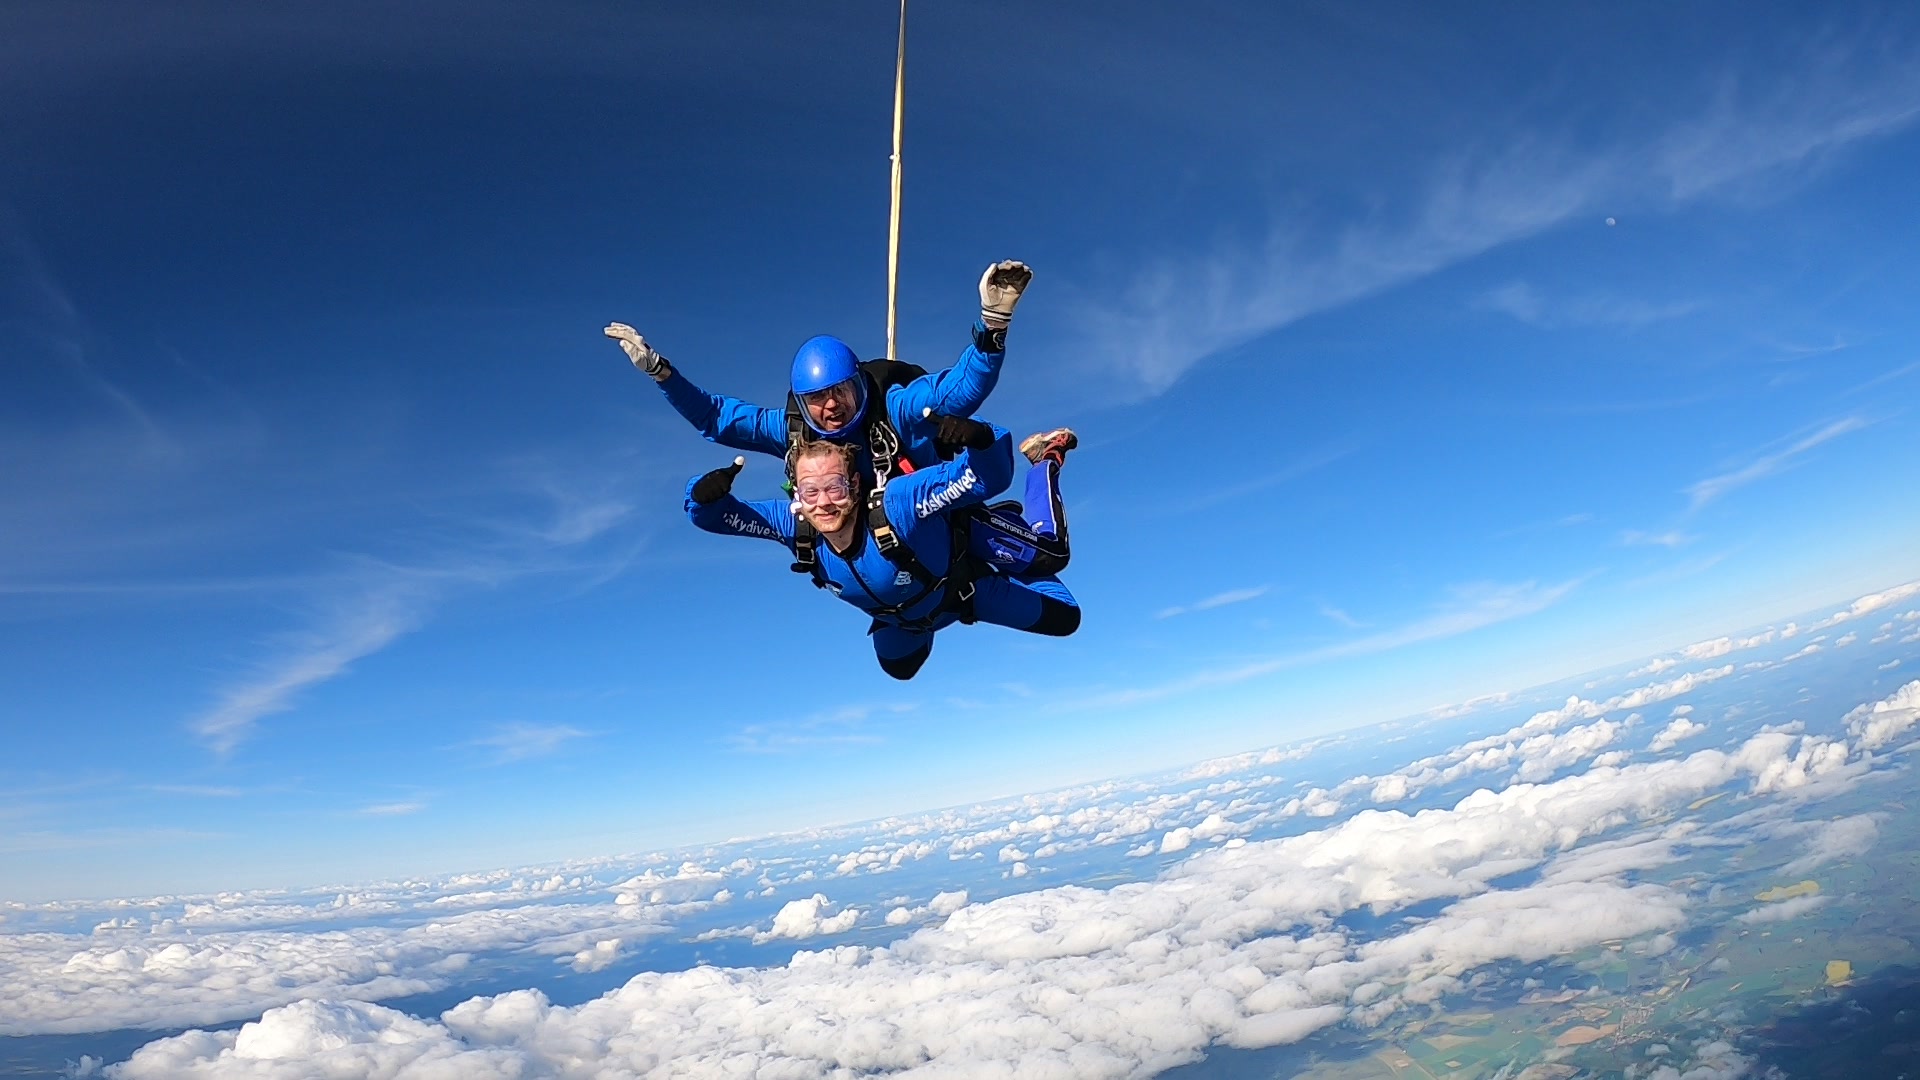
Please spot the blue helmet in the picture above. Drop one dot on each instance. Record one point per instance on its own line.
(825, 362)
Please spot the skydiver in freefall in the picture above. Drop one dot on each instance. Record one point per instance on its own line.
(927, 553)
(834, 394)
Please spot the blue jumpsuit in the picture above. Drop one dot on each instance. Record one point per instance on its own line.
(906, 611)
(957, 391)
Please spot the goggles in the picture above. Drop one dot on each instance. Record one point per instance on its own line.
(813, 491)
(845, 392)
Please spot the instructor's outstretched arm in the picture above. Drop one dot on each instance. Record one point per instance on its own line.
(960, 390)
(720, 419)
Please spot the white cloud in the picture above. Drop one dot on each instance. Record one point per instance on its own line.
(882, 857)
(1870, 603)
(309, 660)
(1713, 1060)
(688, 881)
(1543, 755)
(1340, 616)
(370, 602)
(1653, 667)
(1685, 684)
(1607, 859)
(600, 957)
(1179, 310)
(1184, 938)
(1231, 596)
(1671, 736)
(1222, 949)
(1880, 724)
(1317, 802)
(392, 809)
(195, 969)
(806, 918)
(835, 727)
(1842, 838)
(1532, 748)
(1214, 827)
(1782, 910)
(1390, 788)
(520, 741)
(1705, 491)
(1473, 608)
(1816, 760)
(1182, 838)
(1472, 704)
(1524, 302)
(1707, 650)
(1252, 759)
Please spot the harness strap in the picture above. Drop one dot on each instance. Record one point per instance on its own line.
(805, 559)
(888, 541)
(961, 567)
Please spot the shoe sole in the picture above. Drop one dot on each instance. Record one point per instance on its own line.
(1035, 447)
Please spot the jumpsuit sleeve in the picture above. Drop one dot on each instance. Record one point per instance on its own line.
(956, 391)
(971, 478)
(728, 421)
(768, 519)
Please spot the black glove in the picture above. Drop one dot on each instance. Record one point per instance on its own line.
(709, 488)
(953, 433)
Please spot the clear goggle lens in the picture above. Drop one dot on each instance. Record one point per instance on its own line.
(812, 491)
(842, 390)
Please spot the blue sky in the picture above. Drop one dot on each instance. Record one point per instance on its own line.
(340, 543)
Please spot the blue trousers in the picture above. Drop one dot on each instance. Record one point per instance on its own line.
(1029, 538)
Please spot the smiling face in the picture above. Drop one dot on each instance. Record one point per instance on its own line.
(825, 488)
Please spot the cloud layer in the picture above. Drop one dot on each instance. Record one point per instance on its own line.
(1234, 886)
(1239, 945)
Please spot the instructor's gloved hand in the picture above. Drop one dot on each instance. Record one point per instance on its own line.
(951, 434)
(709, 488)
(1000, 289)
(642, 354)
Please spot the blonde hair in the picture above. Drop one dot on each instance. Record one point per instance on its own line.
(841, 452)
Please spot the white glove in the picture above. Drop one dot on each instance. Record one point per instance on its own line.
(1000, 289)
(642, 354)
